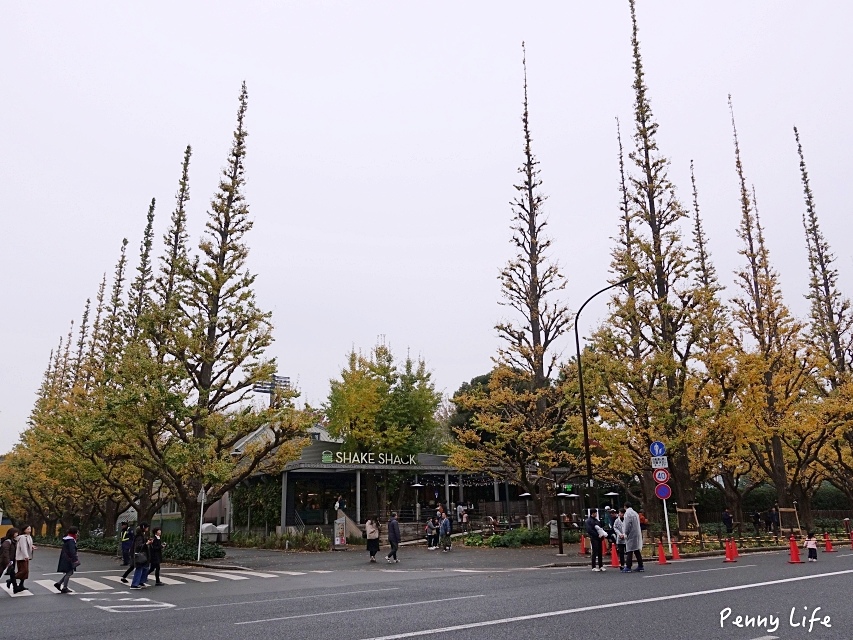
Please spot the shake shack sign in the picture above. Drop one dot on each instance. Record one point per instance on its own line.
(348, 457)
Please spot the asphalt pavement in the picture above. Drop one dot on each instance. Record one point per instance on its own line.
(465, 594)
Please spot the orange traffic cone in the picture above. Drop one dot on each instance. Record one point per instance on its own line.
(827, 543)
(675, 554)
(851, 539)
(614, 557)
(583, 552)
(795, 552)
(729, 554)
(661, 554)
(735, 554)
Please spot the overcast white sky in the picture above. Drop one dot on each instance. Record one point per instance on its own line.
(384, 143)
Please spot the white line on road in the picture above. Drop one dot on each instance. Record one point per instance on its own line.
(679, 573)
(218, 574)
(767, 638)
(595, 607)
(92, 584)
(338, 612)
(255, 574)
(291, 573)
(321, 595)
(192, 576)
(20, 594)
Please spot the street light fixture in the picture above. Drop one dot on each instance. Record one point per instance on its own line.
(526, 496)
(580, 378)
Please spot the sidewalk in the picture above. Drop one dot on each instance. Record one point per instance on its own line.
(411, 557)
(416, 556)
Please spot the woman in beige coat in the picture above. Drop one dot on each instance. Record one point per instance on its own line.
(23, 555)
(371, 528)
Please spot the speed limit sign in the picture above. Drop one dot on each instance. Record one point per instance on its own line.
(661, 476)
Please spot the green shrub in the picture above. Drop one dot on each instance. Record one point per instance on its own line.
(521, 537)
(174, 550)
(188, 550)
(473, 540)
(308, 541)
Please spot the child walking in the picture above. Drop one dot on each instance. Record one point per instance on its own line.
(811, 545)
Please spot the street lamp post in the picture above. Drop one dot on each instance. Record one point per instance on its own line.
(580, 379)
(557, 495)
(159, 485)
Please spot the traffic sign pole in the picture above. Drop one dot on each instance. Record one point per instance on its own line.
(666, 519)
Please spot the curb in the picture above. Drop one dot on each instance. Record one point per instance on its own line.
(684, 556)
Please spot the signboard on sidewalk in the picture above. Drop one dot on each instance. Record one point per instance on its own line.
(341, 532)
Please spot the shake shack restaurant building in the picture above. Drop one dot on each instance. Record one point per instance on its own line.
(325, 475)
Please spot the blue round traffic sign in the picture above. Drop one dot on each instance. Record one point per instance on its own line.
(663, 491)
(657, 448)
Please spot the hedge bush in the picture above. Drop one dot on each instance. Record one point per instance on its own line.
(308, 541)
(174, 550)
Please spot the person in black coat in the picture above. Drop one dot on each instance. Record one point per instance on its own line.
(593, 530)
(68, 560)
(141, 556)
(156, 556)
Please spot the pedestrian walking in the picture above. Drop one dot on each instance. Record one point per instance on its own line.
(728, 520)
(756, 521)
(432, 534)
(125, 537)
(371, 528)
(619, 530)
(596, 539)
(444, 532)
(465, 521)
(141, 556)
(23, 556)
(774, 518)
(393, 538)
(768, 522)
(157, 546)
(68, 560)
(7, 556)
(633, 539)
(460, 509)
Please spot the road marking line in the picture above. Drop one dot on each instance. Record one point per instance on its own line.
(596, 607)
(47, 584)
(292, 573)
(767, 638)
(115, 579)
(167, 580)
(20, 594)
(192, 576)
(321, 595)
(90, 584)
(320, 571)
(256, 574)
(390, 606)
(227, 576)
(679, 573)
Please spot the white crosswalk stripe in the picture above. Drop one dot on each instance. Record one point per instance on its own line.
(167, 580)
(47, 584)
(92, 585)
(219, 574)
(196, 578)
(17, 595)
(256, 574)
(106, 583)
